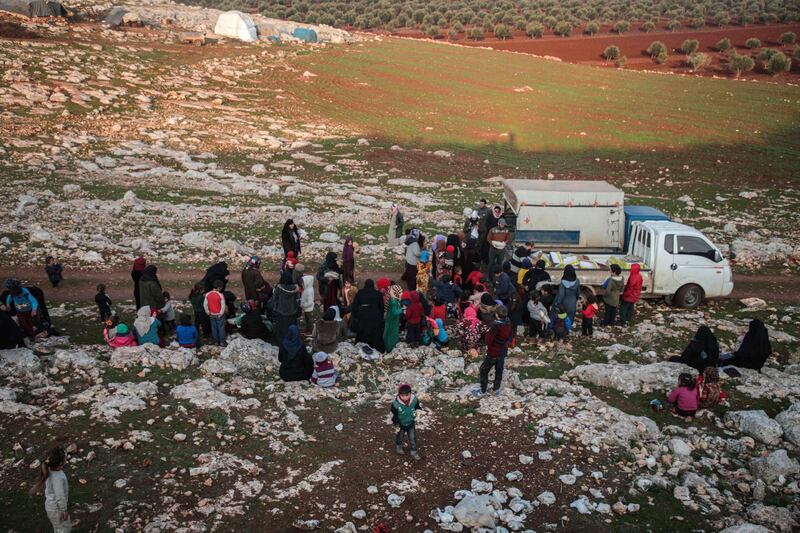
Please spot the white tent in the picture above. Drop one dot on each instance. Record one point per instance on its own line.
(236, 25)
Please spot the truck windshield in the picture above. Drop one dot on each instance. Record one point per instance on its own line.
(689, 245)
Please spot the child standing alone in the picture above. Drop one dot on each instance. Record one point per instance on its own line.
(404, 416)
(55, 272)
(103, 303)
(56, 490)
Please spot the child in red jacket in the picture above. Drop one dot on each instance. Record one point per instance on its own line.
(588, 312)
(415, 313)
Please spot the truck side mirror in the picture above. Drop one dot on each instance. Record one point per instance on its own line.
(717, 256)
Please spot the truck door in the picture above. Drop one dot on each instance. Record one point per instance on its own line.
(696, 261)
(614, 226)
(663, 281)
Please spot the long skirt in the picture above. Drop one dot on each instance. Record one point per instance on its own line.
(410, 277)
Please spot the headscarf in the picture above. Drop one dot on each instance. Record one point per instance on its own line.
(287, 278)
(755, 348)
(253, 262)
(292, 343)
(330, 314)
(703, 342)
(471, 316)
(369, 284)
(139, 264)
(414, 235)
(541, 264)
(11, 284)
(383, 283)
(150, 273)
(330, 261)
(569, 273)
(143, 320)
(425, 256)
(122, 329)
(286, 232)
(348, 252)
(338, 316)
(395, 292)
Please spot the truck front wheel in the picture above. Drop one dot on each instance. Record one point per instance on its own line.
(689, 296)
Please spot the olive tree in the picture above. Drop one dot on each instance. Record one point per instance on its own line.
(622, 26)
(723, 45)
(788, 37)
(501, 31)
(673, 24)
(698, 60)
(535, 30)
(739, 63)
(778, 63)
(564, 29)
(722, 19)
(752, 43)
(656, 48)
(690, 46)
(611, 52)
(592, 28)
(476, 34)
(648, 26)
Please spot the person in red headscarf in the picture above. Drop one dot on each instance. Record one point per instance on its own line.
(139, 265)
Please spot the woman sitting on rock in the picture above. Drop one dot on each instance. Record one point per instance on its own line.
(146, 327)
(296, 362)
(701, 352)
(754, 350)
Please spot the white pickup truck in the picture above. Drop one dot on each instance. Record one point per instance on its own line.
(587, 220)
(677, 262)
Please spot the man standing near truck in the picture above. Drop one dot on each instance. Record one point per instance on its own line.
(490, 222)
(520, 254)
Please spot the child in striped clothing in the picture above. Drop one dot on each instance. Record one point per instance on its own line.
(324, 374)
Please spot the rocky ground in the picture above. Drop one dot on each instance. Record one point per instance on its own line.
(116, 142)
(176, 440)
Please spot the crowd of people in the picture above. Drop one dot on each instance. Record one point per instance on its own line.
(474, 286)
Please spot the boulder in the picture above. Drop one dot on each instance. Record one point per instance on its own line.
(774, 465)
(776, 518)
(679, 448)
(19, 362)
(745, 527)
(76, 359)
(250, 356)
(790, 422)
(477, 511)
(150, 355)
(757, 424)
(631, 378)
(201, 393)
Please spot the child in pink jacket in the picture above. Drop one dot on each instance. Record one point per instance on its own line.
(119, 337)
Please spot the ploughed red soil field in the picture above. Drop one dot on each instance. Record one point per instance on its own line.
(586, 49)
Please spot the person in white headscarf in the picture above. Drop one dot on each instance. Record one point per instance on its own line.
(146, 327)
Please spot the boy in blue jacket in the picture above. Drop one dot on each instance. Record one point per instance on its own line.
(447, 292)
(25, 305)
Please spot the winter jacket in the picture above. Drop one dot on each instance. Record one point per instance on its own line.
(498, 338)
(503, 288)
(499, 238)
(446, 292)
(516, 260)
(325, 337)
(633, 289)
(568, 293)
(684, 398)
(307, 298)
(538, 312)
(24, 302)
(562, 324)
(214, 304)
(324, 374)
(614, 287)
(150, 293)
(103, 304)
(298, 368)
(589, 311)
(186, 336)
(415, 312)
(412, 253)
(404, 415)
(119, 341)
(284, 300)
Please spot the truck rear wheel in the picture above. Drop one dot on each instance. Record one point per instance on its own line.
(689, 296)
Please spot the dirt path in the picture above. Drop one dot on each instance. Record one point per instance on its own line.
(79, 285)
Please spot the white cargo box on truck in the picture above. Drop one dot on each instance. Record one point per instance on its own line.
(566, 214)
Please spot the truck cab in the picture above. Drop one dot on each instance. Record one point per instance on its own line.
(685, 265)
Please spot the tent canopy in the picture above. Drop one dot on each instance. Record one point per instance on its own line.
(236, 25)
(305, 34)
(33, 8)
